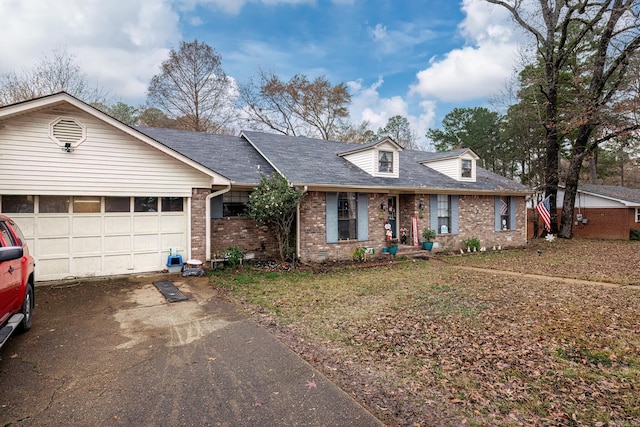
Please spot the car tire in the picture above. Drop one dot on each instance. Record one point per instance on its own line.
(27, 309)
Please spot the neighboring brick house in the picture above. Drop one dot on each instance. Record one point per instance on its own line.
(96, 197)
(601, 212)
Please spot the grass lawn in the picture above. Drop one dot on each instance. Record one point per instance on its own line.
(430, 343)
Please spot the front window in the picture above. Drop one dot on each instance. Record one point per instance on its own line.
(347, 216)
(234, 203)
(504, 213)
(466, 168)
(385, 161)
(637, 214)
(444, 213)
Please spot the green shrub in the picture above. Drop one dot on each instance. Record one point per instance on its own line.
(472, 243)
(234, 256)
(635, 234)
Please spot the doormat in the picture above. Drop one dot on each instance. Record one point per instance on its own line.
(170, 292)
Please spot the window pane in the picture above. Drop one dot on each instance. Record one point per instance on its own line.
(444, 216)
(385, 161)
(117, 204)
(17, 204)
(347, 216)
(172, 204)
(466, 168)
(86, 204)
(234, 203)
(145, 204)
(504, 213)
(54, 204)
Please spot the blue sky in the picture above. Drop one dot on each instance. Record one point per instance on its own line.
(416, 58)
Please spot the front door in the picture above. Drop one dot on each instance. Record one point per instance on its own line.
(392, 215)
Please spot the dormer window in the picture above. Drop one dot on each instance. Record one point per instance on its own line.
(385, 161)
(466, 167)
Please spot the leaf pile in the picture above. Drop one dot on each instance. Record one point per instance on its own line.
(426, 344)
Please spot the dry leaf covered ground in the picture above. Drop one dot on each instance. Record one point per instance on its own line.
(430, 343)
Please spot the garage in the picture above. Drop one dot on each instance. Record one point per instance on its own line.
(99, 236)
(95, 197)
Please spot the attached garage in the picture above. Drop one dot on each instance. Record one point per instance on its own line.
(93, 196)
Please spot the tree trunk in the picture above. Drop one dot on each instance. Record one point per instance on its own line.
(593, 169)
(578, 153)
(570, 191)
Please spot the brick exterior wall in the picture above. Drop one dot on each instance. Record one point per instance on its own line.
(198, 218)
(244, 233)
(602, 223)
(476, 219)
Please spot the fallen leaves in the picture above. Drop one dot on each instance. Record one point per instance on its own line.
(480, 348)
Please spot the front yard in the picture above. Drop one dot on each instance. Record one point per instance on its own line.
(430, 343)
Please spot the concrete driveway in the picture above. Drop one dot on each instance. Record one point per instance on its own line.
(115, 352)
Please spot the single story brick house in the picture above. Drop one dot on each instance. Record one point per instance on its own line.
(97, 197)
(601, 212)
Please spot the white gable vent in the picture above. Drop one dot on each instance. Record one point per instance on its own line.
(67, 132)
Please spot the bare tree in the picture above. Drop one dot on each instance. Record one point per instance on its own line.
(192, 89)
(57, 73)
(297, 107)
(592, 40)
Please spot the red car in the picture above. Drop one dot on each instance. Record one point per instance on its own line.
(16, 281)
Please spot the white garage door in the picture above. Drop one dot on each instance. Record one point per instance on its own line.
(79, 244)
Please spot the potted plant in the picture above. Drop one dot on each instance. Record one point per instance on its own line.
(427, 236)
(392, 246)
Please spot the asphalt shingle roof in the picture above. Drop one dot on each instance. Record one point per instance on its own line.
(631, 195)
(230, 156)
(308, 161)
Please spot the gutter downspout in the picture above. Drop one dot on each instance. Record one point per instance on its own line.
(207, 223)
(298, 242)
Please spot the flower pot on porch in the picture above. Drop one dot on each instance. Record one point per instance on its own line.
(427, 246)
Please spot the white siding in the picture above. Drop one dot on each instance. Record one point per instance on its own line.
(449, 167)
(108, 162)
(368, 160)
(588, 201)
(452, 167)
(364, 160)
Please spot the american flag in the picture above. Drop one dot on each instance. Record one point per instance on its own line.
(543, 209)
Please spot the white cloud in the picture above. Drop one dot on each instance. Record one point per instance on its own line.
(233, 7)
(368, 105)
(479, 69)
(119, 43)
(406, 36)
